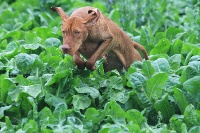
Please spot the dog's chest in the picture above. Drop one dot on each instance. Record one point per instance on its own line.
(87, 49)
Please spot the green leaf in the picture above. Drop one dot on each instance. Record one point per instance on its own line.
(2, 109)
(93, 92)
(136, 117)
(175, 61)
(32, 90)
(146, 38)
(176, 47)
(115, 112)
(161, 65)
(192, 86)
(81, 101)
(162, 47)
(165, 108)
(5, 85)
(9, 124)
(172, 33)
(148, 69)
(52, 42)
(137, 80)
(121, 97)
(46, 117)
(195, 129)
(57, 77)
(173, 81)
(191, 70)
(156, 85)
(53, 100)
(190, 116)
(177, 124)
(11, 46)
(31, 127)
(180, 99)
(93, 115)
(25, 62)
(116, 83)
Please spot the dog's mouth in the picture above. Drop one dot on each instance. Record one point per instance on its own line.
(70, 52)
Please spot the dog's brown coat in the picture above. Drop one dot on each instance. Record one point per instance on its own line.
(89, 33)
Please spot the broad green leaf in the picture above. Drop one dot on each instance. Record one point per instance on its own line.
(190, 116)
(165, 108)
(173, 81)
(32, 38)
(53, 100)
(52, 42)
(172, 33)
(2, 109)
(162, 47)
(11, 46)
(66, 64)
(192, 86)
(25, 62)
(5, 86)
(115, 83)
(60, 111)
(81, 101)
(143, 100)
(32, 90)
(159, 36)
(161, 65)
(9, 124)
(146, 38)
(156, 85)
(177, 123)
(175, 61)
(93, 92)
(112, 128)
(22, 80)
(180, 99)
(115, 112)
(31, 126)
(148, 69)
(176, 47)
(195, 129)
(121, 96)
(76, 123)
(136, 117)
(45, 117)
(92, 114)
(191, 70)
(57, 77)
(137, 81)
(32, 46)
(114, 15)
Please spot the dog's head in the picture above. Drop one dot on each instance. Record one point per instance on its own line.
(75, 29)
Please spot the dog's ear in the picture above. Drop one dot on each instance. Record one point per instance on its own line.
(93, 17)
(60, 12)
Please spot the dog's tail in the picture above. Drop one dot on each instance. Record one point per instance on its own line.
(141, 48)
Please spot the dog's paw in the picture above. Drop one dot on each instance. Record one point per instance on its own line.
(90, 65)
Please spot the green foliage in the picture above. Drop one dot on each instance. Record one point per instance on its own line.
(41, 90)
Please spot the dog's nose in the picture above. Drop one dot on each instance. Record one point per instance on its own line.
(66, 49)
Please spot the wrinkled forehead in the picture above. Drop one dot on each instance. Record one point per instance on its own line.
(72, 23)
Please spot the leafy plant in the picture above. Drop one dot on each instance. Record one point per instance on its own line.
(41, 90)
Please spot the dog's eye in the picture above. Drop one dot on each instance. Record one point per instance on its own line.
(64, 32)
(76, 32)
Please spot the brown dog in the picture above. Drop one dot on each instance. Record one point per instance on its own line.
(89, 33)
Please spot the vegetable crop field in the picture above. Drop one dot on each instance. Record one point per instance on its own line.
(42, 91)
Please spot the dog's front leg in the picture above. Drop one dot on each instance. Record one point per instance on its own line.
(78, 61)
(100, 52)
